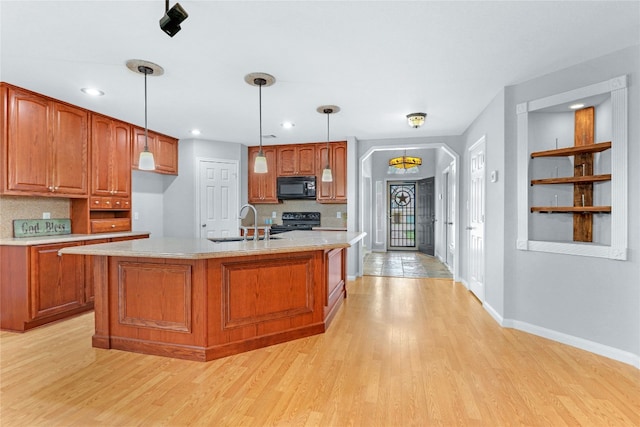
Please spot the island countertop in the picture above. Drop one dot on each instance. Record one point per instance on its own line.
(193, 248)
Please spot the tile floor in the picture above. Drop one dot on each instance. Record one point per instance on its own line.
(404, 264)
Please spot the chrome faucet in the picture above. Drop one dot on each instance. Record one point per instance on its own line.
(255, 220)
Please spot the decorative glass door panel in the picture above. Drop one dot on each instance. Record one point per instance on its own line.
(402, 216)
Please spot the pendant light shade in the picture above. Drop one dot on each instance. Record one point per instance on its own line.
(260, 79)
(327, 175)
(145, 161)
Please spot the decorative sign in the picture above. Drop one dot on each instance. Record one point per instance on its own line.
(41, 227)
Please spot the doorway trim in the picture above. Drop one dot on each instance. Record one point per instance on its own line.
(413, 145)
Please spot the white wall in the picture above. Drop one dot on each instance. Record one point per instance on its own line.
(166, 203)
(593, 303)
(147, 201)
(490, 124)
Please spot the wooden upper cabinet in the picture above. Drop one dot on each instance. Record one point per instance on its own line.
(46, 146)
(164, 149)
(262, 186)
(111, 157)
(296, 160)
(336, 191)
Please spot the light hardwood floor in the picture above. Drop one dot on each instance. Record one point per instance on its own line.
(400, 352)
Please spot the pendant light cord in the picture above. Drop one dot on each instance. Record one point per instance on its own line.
(328, 111)
(146, 132)
(260, 83)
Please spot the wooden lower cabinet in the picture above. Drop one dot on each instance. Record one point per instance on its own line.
(37, 286)
(57, 283)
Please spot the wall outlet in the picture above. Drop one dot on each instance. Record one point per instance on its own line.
(46, 215)
(136, 216)
(338, 214)
(274, 214)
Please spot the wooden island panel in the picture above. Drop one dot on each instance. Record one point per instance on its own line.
(205, 309)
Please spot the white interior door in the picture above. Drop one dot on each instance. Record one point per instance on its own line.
(218, 190)
(475, 226)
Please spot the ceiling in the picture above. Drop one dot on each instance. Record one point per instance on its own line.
(377, 60)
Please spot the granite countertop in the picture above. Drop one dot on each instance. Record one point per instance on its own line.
(184, 248)
(65, 238)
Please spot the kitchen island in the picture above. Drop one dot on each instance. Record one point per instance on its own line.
(201, 300)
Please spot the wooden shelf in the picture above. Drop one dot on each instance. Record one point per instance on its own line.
(572, 209)
(572, 179)
(570, 151)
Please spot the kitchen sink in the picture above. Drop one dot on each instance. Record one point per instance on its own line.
(237, 239)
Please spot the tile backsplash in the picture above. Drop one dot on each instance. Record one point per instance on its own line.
(20, 207)
(328, 212)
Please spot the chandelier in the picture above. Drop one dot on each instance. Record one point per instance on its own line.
(404, 164)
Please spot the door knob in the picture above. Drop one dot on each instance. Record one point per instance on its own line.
(469, 228)
(204, 225)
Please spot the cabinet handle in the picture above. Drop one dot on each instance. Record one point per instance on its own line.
(97, 202)
(108, 202)
(113, 226)
(51, 188)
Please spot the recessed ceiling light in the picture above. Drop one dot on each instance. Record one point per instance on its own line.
(576, 106)
(195, 131)
(287, 125)
(92, 91)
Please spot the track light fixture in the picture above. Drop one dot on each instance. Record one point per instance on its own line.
(170, 22)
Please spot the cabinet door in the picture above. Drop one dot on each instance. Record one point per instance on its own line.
(339, 171)
(137, 145)
(57, 282)
(286, 160)
(70, 156)
(28, 143)
(296, 160)
(262, 186)
(306, 156)
(336, 191)
(166, 155)
(121, 159)
(101, 148)
(164, 149)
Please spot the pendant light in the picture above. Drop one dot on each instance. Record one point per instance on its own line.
(260, 79)
(327, 176)
(145, 161)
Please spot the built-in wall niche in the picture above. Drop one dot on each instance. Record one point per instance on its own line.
(572, 172)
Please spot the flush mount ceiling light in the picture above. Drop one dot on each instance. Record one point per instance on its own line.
(170, 22)
(92, 91)
(327, 176)
(404, 164)
(146, 161)
(416, 119)
(260, 79)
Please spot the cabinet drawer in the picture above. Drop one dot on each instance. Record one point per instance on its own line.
(120, 203)
(110, 203)
(110, 224)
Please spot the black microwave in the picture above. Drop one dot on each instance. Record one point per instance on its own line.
(296, 187)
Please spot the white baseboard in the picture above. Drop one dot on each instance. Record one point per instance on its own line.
(593, 347)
